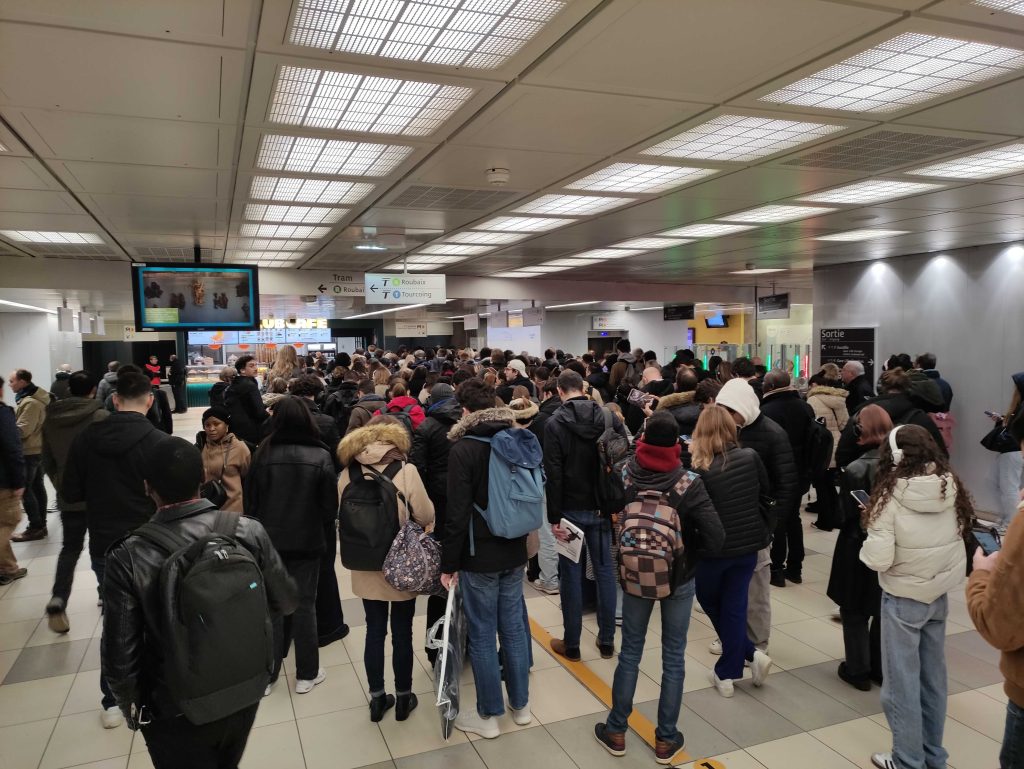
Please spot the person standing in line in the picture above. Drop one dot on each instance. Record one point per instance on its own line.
(59, 387)
(176, 379)
(859, 388)
(547, 556)
(828, 400)
(242, 399)
(657, 467)
(916, 520)
(65, 419)
(108, 382)
(12, 489)
(1009, 470)
(30, 413)
(152, 369)
(225, 457)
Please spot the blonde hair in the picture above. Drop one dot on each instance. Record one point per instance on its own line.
(381, 376)
(715, 434)
(285, 364)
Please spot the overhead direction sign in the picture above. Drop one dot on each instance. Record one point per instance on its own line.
(342, 284)
(405, 288)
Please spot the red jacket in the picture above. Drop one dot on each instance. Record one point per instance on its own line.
(154, 374)
(400, 403)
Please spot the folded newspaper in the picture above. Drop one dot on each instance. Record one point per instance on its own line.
(573, 547)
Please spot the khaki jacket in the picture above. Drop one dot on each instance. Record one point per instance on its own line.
(830, 403)
(29, 414)
(227, 462)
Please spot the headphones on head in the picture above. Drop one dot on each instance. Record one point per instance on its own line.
(897, 453)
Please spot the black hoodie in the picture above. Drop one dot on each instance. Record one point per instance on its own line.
(430, 447)
(65, 419)
(570, 456)
(105, 468)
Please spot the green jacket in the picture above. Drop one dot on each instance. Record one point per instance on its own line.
(65, 419)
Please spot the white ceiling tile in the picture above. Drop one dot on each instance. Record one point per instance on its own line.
(158, 208)
(23, 174)
(141, 180)
(462, 166)
(37, 201)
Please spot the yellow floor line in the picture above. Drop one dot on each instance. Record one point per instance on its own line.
(638, 722)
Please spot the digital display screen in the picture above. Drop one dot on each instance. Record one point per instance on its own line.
(716, 321)
(195, 297)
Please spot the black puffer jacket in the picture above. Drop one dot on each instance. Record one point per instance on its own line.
(430, 448)
(242, 399)
(570, 456)
(861, 391)
(216, 394)
(293, 490)
(132, 654)
(736, 482)
(684, 408)
(505, 392)
(793, 414)
(772, 445)
(902, 411)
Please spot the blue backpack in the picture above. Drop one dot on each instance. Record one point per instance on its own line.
(515, 485)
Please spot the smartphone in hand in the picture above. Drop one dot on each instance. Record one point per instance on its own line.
(861, 496)
(993, 415)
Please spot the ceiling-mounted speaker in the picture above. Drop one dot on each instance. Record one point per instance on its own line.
(66, 319)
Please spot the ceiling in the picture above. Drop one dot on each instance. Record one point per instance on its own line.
(148, 127)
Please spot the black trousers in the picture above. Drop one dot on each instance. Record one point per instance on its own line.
(828, 499)
(788, 544)
(330, 618)
(174, 743)
(74, 526)
(863, 644)
(300, 626)
(180, 400)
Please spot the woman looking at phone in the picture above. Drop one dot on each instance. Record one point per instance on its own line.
(852, 585)
(916, 520)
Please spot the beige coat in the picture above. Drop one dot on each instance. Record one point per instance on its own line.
(227, 462)
(830, 403)
(29, 415)
(367, 446)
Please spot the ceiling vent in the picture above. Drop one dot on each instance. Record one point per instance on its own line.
(881, 150)
(427, 197)
(171, 253)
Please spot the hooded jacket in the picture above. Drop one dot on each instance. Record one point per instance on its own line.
(901, 410)
(106, 386)
(61, 385)
(925, 392)
(65, 419)
(227, 462)
(105, 467)
(242, 399)
(468, 476)
(829, 403)
(505, 391)
(915, 543)
(684, 408)
(545, 411)
(12, 461)
(403, 402)
(430, 448)
(30, 413)
(736, 483)
(621, 368)
(788, 410)
(944, 387)
(367, 447)
(364, 409)
(570, 456)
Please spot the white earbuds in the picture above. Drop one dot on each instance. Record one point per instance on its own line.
(897, 453)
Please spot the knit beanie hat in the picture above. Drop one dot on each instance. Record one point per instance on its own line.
(217, 412)
(440, 391)
(739, 396)
(661, 430)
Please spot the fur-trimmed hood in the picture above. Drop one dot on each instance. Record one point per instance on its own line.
(501, 415)
(367, 445)
(675, 399)
(526, 409)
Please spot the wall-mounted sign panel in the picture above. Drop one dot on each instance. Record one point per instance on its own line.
(263, 336)
(471, 322)
(515, 319)
(213, 337)
(839, 345)
(498, 320)
(612, 322)
(533, 316)
(293, 323)
(677, 312)
(304, 335)
(405, 288)
(773, 307)
(411, 328)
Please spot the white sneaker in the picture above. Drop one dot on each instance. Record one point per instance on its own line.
(725, 688)
(303, 686)
(522, 717)
(883, 761)
(111, 718)
(547, 589)
(715, 647)
(759, 667)
(266, 692)
(472, 723)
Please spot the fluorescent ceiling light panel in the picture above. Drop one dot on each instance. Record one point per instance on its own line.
(255, 212)
(291, 190)
(567, 262)
(262, 244)
(477, 34)
(493, 238)
(518, 274)
(1009, 6)
(855, 235)
(871, 191)
(572, 205)
(520, 224)
(982, 165)
(762, 271)
(651, 244)
(551, 267)
(739, 138)
(32, 236)
(466, 250)
(261, 256)
(639, 178)
(571, 304)
(706, 230)
(282, 231)
(431, 259)
(908, 69)
(342, 101)
(414, 266)
(387, 309)
(3, 148)
(26, 306)
(645, 309)
(304, 155)
(607, 253)
(774, 214)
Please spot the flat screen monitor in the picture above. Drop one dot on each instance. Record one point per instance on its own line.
(195, 297)
(716, 321)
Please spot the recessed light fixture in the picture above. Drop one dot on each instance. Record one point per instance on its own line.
(33, 236)
(706, 230)
(908, 69)
(256, 212)
(6, 303)
(572, 205)
(738, 138)
(430, 259)
(871, 191)
(369, 245)
(639, 178)
(518, 274)
(774, 214)
(478, 34)
(1003, 160)
(493, 238)
(760, 271)
(302, 154)
(343, 101)
(571, 304)
(282, 231)
(388, 309)
(264, 244)
(520, 224)
(262, 257)
(645, 309)
(552, 267)
(651, 243)
(1009, 6)
(853, 235)
(567, 263)
(455, 248)
(3, 148)
(415, 266)
(607, 253)
(289, 190)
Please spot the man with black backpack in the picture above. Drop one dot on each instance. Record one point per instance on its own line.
(340, 401)
(191, 681)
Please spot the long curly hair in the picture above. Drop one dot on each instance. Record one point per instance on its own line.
(921, 456)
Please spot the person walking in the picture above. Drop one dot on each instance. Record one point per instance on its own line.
(916, 520)
(30, 412)
(12, 489)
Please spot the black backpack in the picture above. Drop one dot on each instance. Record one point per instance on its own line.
(339, 405)
(404, 416)
(819, 448)
(216, 634)
(612, 453)
(368, 517)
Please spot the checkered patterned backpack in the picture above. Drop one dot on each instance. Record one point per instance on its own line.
(650, 540)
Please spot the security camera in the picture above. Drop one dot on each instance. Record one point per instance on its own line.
(498, 177)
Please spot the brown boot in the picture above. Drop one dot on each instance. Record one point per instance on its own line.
(558, 647)
(29, 535)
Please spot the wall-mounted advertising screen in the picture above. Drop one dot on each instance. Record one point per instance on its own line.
(195, 297)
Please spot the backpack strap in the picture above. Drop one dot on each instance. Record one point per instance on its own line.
(608, 422)
(472, 539)
(225, 523)
(386, 479)
(162, 536)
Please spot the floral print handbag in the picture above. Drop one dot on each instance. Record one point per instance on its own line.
(413, 564)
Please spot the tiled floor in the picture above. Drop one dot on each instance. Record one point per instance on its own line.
(803, 717)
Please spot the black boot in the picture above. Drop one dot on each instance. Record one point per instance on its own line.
(778, 578)
(404, 705)
(379, 705)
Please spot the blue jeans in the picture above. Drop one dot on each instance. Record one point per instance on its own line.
(597, 532)
(675, 623)
(1012, 754)
(914, 679)
(493, 602)
(722, 585)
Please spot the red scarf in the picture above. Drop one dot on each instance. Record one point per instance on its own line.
(658, 459)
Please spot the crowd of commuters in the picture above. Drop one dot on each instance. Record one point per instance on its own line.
(722, 454)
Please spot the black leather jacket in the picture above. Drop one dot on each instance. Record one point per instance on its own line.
(131, 650)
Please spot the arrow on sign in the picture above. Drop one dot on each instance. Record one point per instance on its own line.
(373, 288)
(322, 288)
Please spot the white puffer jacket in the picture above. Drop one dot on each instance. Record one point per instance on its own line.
(915, 544)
